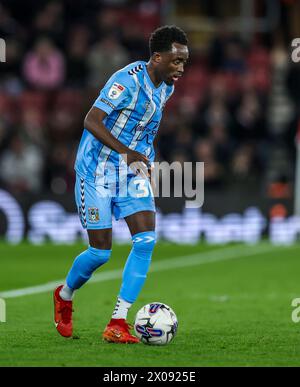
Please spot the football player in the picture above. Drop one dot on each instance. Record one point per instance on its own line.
(112, 167)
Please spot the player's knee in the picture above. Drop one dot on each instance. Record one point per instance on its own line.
(143, 244)
(98, 256)
(101, 243)
(91, 259)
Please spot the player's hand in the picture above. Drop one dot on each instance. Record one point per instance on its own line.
(138, 163)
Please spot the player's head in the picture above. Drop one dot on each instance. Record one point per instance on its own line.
(169, 52)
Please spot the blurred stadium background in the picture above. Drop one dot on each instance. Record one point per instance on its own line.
(236, 109)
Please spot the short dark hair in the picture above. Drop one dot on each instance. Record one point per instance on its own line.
(162, 38)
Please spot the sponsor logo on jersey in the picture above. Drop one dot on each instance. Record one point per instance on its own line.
(147, 104)
(115, 91)
(107, 103)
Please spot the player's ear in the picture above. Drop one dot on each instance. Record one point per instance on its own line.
(156, 57)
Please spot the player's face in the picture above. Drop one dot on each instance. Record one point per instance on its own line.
(172, 63)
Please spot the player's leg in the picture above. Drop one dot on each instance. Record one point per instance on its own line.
(84, 265)
(96, 255)
(90, 202)
(141, 226)
(139, 213)
(142, 229)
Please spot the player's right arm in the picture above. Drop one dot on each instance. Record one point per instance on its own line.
(93, 122)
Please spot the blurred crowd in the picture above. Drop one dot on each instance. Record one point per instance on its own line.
(236, 108)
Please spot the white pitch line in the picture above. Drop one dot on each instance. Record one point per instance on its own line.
(217, 255)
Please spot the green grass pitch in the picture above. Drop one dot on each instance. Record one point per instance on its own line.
(234, 308)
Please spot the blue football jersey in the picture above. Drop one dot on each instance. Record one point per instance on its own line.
(134, 110)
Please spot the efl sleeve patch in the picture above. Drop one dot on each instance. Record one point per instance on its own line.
(115, 91)
(116, 94)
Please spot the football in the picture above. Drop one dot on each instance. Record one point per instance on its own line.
(156, 324)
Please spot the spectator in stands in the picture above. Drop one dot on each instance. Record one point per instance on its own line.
(242, 164)
(219, 136)
(49, 23)
(134, 42)
(107, 22)
(8, 26)
(44, 66)
(105, 57)
(234, 58)
(184, 139)
(204, 151)
(59, 169)
(21, 166)
(77, 51)
(32, 128)
(249, 118)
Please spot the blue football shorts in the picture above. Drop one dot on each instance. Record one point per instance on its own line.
(97, 203)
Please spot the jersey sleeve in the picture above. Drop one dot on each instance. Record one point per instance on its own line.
(116, 94)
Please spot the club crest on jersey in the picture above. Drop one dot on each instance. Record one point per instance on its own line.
(116, 90)
(93, 214)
